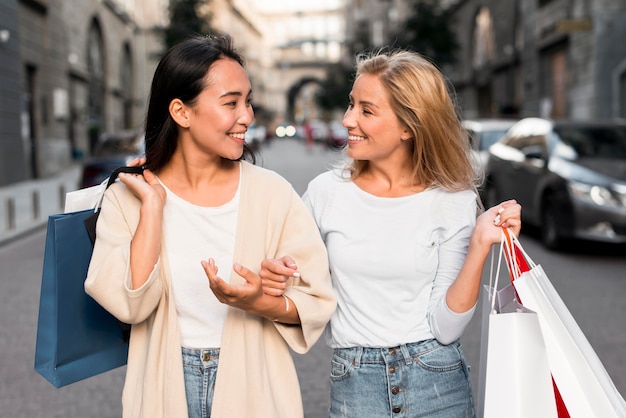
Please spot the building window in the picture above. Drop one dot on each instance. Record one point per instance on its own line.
(96, 70)
(553, 87)
(622, 96)
(484, 42)
(126, 84)
(544, 2)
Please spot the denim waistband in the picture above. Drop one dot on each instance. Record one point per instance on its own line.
(403, 352)
(200, 355)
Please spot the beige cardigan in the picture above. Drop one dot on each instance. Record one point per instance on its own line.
(256, 376)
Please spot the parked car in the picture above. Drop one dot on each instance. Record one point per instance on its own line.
(338, 135)
(256, 135)
(112, 150)
(569, 177)
(484, 133)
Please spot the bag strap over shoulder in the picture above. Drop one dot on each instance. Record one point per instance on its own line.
(124, 169)
(90, 222)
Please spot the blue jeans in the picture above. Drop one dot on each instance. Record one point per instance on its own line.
(200, 368)
(424, 379)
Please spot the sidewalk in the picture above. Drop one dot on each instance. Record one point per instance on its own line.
(26, 205)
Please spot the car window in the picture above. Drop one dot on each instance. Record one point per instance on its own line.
(524, 141)
(489, 138)
(599, 142)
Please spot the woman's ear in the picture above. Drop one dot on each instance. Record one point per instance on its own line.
(406, 135)
(179, 112)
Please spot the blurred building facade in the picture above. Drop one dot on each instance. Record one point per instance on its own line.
(302, 42)
(553, 58)
(70, 70)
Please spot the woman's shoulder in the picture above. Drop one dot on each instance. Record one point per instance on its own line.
(454, 202)
(332, 178)
(454, 196)
(260, 175)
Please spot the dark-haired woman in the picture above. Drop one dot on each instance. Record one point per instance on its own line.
(178, 249)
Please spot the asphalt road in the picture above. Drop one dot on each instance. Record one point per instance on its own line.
(591, 279)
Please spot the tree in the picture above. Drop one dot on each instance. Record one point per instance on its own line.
(340, 76)
(187, 17)
(428, 31)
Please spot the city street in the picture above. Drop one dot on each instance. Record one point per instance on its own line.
(589, 278)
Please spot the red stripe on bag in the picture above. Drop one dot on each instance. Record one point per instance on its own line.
(523, 266)
(561, 409)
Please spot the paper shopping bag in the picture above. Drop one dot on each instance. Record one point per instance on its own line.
(580, 377)
(76, 337)
(583, 382)
(514, 377)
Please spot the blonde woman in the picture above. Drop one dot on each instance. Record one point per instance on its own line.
(405, 245)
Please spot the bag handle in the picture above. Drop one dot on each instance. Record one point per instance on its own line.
(518, 260)
(136, 169)
(493, 279)
(113, 177)
(90, 221)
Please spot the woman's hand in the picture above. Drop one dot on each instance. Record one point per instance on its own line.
(488, 229)
(240, 296)
(250, 296)
(145, 187)
(275, 273)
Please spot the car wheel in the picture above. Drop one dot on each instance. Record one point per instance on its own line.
(550, 235)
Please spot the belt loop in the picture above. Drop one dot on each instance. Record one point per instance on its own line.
(405, 353)
(357, 357)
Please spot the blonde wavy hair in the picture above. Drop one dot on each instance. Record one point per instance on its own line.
(422, 101)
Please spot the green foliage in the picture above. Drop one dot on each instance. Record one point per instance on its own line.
(335, 88)
(427, 30)
(340, 76)
(187, 17)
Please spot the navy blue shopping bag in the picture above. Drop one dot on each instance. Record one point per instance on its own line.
(76, 337)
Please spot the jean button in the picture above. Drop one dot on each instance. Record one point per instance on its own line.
(395, 390)
(392, 369)
(206, 357)
(392, 351)
(396, 409)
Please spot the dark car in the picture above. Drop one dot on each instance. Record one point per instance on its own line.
(112, 150)
(484, 133)
(569, 177)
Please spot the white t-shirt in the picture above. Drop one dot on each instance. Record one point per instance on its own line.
(392, 261)
(192, 234)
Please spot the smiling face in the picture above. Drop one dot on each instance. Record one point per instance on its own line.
(374, 131)
(217, 120)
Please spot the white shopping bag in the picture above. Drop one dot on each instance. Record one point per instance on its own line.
(514, 376)
(83, 199)
(582, 381)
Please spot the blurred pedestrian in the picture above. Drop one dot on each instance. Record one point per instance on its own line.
(405, 245)
(308, 135)
(207, 342)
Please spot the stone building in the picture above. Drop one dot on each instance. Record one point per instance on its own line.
(555, 58)
(552, 58)
(70, 70)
